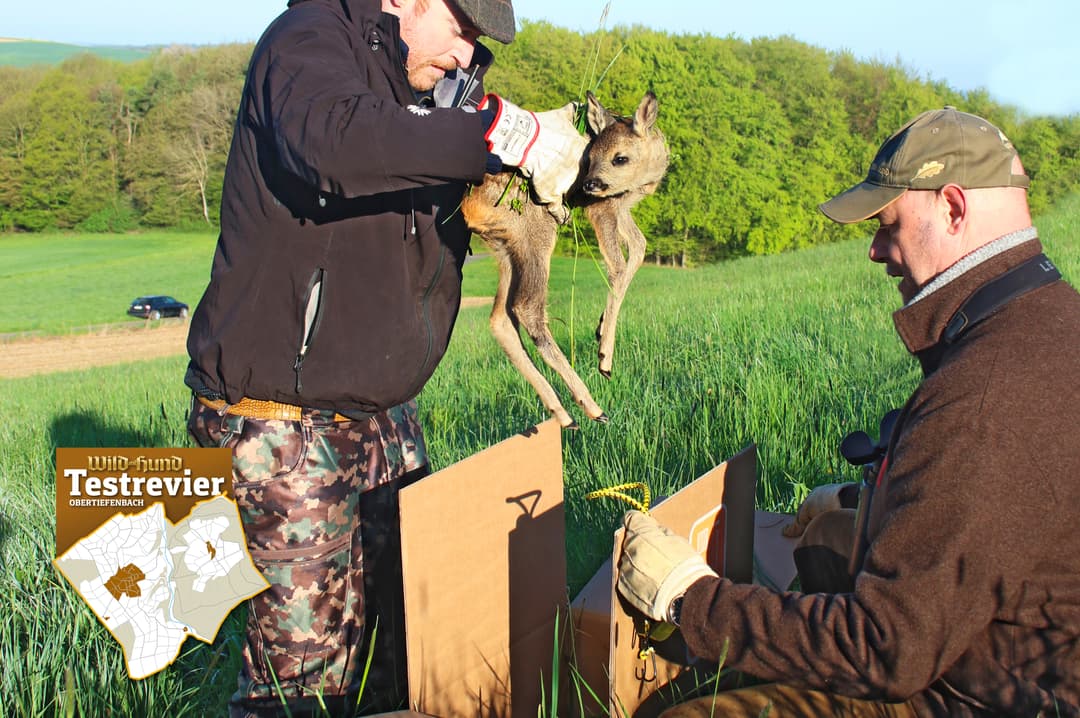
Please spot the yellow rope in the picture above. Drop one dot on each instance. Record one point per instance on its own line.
(653, 630)
(616, 492)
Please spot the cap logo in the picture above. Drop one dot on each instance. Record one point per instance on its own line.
(1005, 140)
(929, 169)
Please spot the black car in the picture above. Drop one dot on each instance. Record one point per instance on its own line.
(156, 307)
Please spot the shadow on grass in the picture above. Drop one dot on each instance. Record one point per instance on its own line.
(79, 429)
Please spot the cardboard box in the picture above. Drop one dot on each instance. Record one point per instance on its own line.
(484, 571)
(716, 513)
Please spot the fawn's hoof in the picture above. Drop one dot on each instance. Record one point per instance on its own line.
(606, 373)
(602, 419)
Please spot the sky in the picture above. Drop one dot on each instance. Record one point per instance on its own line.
(1023, 53)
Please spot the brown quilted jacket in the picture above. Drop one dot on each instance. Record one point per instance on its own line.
(967, 596)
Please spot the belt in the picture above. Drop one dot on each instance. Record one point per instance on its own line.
(256, 409)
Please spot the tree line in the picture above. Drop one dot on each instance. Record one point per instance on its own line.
(760, 132)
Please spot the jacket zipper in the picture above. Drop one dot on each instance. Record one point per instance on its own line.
(312, 317)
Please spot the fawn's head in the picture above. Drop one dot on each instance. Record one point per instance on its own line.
(627, 154)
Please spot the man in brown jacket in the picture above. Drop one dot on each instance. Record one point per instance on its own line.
(964, 598)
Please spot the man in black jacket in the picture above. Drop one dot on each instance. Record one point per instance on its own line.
(334, 289)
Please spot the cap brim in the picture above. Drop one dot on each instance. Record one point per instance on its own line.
(503, 33)
(494, 20)
(861, 202)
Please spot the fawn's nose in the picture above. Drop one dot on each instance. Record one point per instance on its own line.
(592, 185)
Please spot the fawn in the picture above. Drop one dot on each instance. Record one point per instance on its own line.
(626, 159)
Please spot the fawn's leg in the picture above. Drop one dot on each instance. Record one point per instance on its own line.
(615, 229)
(504, 325)
(528, 303)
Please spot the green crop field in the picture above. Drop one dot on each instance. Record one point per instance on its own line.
(789, 352)
(64, 283)
(24, 53)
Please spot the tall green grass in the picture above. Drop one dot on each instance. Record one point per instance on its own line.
(789, 352)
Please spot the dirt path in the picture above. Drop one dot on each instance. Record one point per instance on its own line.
(116, 345)
(45, 355)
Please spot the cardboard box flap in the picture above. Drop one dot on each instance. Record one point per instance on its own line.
(718, 508)
(716, 515)
(484, 570)
(774, 553)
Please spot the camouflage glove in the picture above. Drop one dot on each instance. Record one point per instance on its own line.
(656, 566)
(821, 499)
(544, 145)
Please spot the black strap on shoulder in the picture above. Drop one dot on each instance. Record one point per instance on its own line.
(987, 299)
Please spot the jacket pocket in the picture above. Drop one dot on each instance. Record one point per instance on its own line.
(265, 451)
(310, 326)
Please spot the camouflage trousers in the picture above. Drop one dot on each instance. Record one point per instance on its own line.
(318, 501)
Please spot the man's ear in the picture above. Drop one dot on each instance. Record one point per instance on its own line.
(956, 204)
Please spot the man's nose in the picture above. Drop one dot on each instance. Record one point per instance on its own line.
(463, 51)
(877, 248)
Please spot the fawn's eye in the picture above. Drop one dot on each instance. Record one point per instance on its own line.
(620, 160)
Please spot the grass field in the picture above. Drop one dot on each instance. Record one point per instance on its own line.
(24, 53)
(791, 352)
(62, 283)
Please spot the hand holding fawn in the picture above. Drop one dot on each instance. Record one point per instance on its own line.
(625, 160)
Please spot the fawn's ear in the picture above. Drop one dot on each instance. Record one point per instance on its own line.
(645, 116)
(599, 117)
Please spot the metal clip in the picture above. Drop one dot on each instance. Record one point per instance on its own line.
(646, 654)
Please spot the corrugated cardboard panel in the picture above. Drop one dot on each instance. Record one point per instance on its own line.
(595, 632)
(484, 567)
(722, 498)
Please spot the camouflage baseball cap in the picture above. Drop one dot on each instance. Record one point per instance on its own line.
(937, 148)
(494, 18)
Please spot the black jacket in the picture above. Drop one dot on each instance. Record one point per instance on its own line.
(337, 275)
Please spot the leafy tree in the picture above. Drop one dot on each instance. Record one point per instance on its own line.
(178, 163)
(18, 114)
(67, 167)
(760, 132)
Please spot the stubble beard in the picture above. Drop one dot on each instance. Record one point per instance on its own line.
(423, 78)
(908, 287)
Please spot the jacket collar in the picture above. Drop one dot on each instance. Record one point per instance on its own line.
(921, 323)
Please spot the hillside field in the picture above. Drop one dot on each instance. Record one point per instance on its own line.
(25, 53)
(789, 352)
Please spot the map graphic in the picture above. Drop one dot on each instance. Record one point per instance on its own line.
(153, 583)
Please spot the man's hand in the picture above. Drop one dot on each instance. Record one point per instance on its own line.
(656, 566)
(544, 145)
(821, 499)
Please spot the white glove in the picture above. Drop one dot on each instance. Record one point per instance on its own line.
(545, 145)
(656, 566)
(821, 499)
